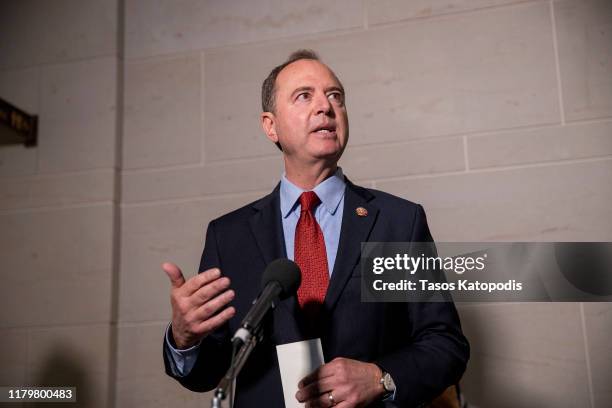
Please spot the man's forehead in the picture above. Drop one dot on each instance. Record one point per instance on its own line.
(303, 72)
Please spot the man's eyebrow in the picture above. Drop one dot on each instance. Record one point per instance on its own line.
(301, 89)
(311, 89)
(334, 88)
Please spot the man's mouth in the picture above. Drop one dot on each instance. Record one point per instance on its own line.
(325, 130)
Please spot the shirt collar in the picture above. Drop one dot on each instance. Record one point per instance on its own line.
(330, 191)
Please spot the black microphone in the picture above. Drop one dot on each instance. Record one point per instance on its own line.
(280, 280)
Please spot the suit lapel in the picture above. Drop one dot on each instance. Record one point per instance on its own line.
(267, 227)
(355, 229)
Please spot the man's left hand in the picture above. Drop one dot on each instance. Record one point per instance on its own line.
(351, 383)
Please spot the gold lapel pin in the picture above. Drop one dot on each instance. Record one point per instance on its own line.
(362, 212)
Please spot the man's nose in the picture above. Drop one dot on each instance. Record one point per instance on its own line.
(323, 105)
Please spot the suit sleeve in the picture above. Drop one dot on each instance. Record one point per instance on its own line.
(438, 353)
(215, 350)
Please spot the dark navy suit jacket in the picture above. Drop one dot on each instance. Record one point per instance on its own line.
(420, 344)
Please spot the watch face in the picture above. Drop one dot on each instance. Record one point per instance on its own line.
(388, 382)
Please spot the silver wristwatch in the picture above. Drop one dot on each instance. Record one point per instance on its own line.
(387, 382)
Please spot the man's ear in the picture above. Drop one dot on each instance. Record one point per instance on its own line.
(268, 123)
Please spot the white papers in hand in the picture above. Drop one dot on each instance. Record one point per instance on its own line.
(296, 361)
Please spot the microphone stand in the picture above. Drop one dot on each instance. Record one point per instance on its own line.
(238, 360)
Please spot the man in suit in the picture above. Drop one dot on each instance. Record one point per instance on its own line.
(377, 353)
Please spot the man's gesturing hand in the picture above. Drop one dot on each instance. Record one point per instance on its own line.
(195, 304)
(352, 383)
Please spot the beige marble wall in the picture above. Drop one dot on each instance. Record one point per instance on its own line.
(60, 60)
(496, 115)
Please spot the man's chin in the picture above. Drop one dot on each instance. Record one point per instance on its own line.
(325, 148)
(329, 155)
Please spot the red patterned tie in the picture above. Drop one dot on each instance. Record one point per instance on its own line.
(311, 256)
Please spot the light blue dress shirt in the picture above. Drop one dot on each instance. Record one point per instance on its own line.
(329, 216)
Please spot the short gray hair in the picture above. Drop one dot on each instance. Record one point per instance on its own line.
(268, 88)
